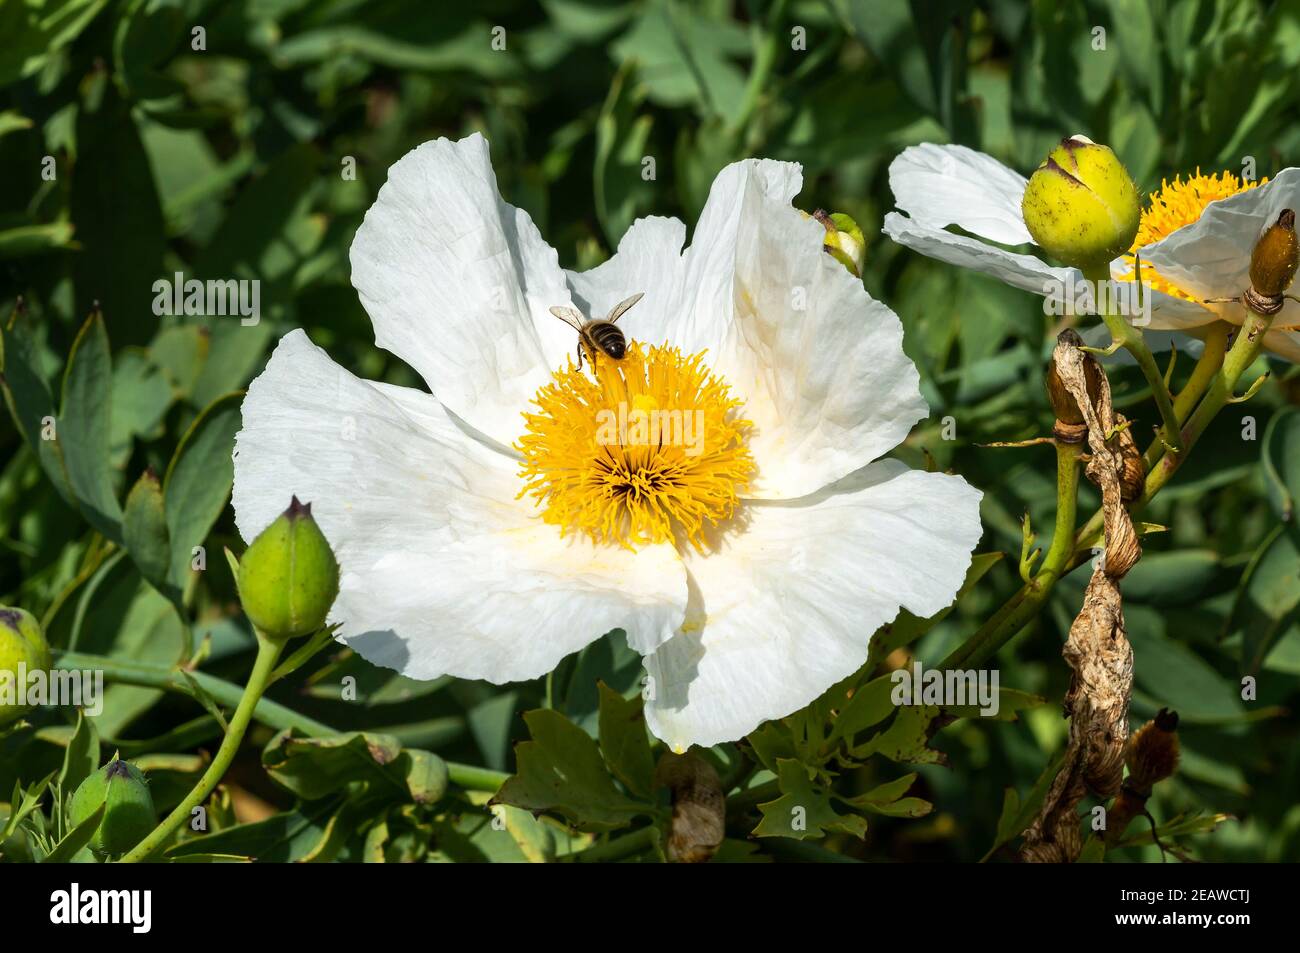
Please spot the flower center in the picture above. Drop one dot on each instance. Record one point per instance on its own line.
(650, 451)
(1179, 203)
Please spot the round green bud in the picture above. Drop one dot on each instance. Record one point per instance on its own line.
(129, 814)
(288, 578)
(23, 649)
(1081, 205)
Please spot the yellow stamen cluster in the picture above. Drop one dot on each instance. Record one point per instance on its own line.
(650, 451)
(1179, 203)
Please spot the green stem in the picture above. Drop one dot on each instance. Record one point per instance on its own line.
(619, 848)
(267, 712)
(268, 653)
(1131, 339)
(752, 797)
(1245, 351)
(766, 45)
(1025, 604)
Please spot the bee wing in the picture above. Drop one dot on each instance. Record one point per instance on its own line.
(570, 317)
(617, 311)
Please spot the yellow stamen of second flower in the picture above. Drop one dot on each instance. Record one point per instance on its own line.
(651, 451)
(1178, 203)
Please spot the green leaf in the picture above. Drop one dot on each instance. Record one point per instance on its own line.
(804, 809)
(119, 221)
(27, 394)
(85, 427)
(315, 767)
(1268, 598)
(76, 839)
(1011, 702)
(144, 531)
(1016, 816)
(426, 775)
(23, 803)
(906, 738)
(888, 799)
(280, 838)
(198, 481)
(624, 742)
(1280, 461)
(560, 769)
(622, 192)
(33, 32)
(27, 240)
(907, 628)
(81, 758)
(871, 704)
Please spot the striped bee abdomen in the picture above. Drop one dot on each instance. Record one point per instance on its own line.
(608, 338)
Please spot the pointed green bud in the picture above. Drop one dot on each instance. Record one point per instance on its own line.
(844, 240)
(288, 578)
(129, 814)
(23, 649)
(1081, 205)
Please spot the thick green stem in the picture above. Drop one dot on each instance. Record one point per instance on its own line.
(267, 712)
(1245, 351)
(1130, 338)
(268, 653)
(1025, 604)
(619, 848)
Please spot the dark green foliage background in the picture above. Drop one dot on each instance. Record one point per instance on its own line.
(227, 163)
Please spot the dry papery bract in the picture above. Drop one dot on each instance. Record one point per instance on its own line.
(1097, 648)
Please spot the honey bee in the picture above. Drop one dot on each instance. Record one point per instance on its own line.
(601, 335)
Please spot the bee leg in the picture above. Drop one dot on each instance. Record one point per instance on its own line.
(579, 355)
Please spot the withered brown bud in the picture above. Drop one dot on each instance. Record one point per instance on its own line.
(1133, 477)
(699, 807)
(1153, 752)
(1276, 257)
(1064, 406)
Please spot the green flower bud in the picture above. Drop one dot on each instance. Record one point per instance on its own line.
(129, 814)
(288, 578)
(22, 643)
(1080, 205)
(844, 240)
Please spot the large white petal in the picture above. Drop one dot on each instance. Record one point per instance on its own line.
(940, 185)
(649, 260)
(458, 283)
(1020, 271)
(788, 607)
(1210, 258)
(818, 362)
(443, 570)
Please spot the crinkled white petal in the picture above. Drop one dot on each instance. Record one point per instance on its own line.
(1210, 257)
(1020, 271)
(649, 260)
(443, 570)
(788, 607)
(818, 363)
(1284, 344)
(940, 185)
(458, 284)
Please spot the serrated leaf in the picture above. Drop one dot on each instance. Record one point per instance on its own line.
(906, 738)
(560, 769)
(804, 809)
(624, 741)
(315, 767)
(888, 799)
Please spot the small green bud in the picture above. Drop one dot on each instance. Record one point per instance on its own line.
(1081, 205)
(22, 643)
(288, 578)
(844, 240)
(129, 814)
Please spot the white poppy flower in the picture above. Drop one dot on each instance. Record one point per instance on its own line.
(1195, 238)
(485, 531)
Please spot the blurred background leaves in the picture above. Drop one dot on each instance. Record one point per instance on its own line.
(246, 138)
